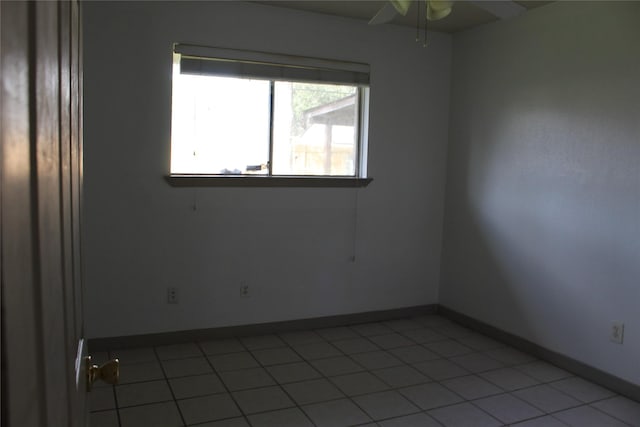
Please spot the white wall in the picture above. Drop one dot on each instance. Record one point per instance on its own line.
(292, 246)
(542, 229)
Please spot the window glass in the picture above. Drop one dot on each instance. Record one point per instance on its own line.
(259, 117)
(315, 129)
(220, 125)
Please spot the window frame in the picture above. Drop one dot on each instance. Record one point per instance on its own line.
(296, 65)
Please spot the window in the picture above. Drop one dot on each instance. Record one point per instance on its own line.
(251, 114)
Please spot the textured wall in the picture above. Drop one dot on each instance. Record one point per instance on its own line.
(542, 228)
(293, 247)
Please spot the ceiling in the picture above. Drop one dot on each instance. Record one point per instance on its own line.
(465, 14)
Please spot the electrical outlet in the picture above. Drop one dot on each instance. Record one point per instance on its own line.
(172, 295)
(617, 332)
(244, 290)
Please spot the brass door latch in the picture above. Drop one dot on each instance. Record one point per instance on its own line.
(108, 372)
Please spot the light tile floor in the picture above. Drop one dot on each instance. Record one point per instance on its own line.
(423, 371)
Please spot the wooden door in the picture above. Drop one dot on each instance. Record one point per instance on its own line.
(43, 382)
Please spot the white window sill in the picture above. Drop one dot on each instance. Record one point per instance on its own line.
(195, 180)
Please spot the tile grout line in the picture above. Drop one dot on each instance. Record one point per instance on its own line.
(387, 350)
(349, 356)
(115, 395)
(279, 385)
(228, 391)
(590, 404)
(390, 387)
(331, 382)
(323, 376)
(166, 379)
(274, 379)
(367, 370)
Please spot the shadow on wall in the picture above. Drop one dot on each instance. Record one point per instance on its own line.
(541, 218)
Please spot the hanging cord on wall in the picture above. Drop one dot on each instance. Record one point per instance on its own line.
(355, 227)
(194, 206)
(418, 23)
(426, 23)
(420, 13)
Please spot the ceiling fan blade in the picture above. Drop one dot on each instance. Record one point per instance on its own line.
(502, 9)
(402, 6)
(438, 9)
(384, 15)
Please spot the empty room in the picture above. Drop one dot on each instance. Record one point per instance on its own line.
(354, 213)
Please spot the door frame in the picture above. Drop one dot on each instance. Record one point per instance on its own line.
(43, 383)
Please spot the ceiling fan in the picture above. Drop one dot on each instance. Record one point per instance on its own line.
(394, 7)
(439, 9)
